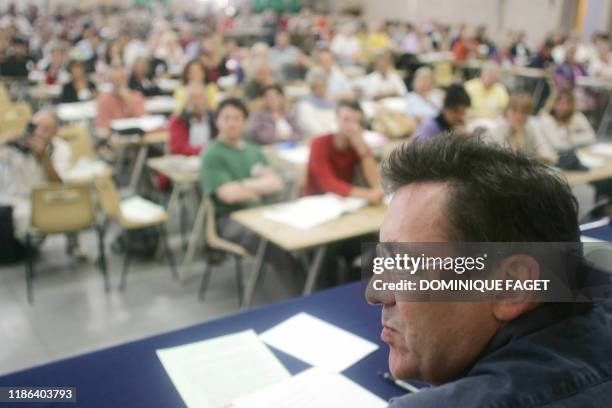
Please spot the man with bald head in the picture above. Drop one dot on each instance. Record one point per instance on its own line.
(489, 97)
(494, 352)
(193, 128)
(28, 159)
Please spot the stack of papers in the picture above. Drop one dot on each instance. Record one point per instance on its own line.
(213, 373)
(138, 209)
(85, 169)
(76, 111)
(160, 104)
(318, 343)
(309, 212)
(397, 104)
(143, 123)
(589, 160)
(184, 164)
(312, 388)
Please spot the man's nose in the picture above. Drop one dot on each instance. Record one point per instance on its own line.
(375, 294)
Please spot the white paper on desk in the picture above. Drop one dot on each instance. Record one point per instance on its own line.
(602, 148)
(309, 212)
(144, 123)
(296, 155)
(590, 160)
(318, 343)
(177, 162)
(85, 169)
(312, 388)
(374, 139)
(76, 111)
(138, 209)
(160, 104)
(213, 373)
(397, 104)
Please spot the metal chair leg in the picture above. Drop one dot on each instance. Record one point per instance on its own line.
(29, 266)
(169, 255)
(239, 283)
(102, 258)
(205, 279)
(126, 265)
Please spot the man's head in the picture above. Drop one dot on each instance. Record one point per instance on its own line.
(196, 98)
(45, 125)
(457, 189)
(326, 59)
(456, 102)
(490, 75)
(564, 105)
(76, 69)
(423, 80)
(231, 119)
(282, 39)
(350, 119)
(116, 77)
(273, 97)
(317, 80)
(384, 63)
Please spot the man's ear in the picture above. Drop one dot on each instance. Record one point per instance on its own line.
(516, 268)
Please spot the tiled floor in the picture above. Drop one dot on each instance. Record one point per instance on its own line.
(71, 314)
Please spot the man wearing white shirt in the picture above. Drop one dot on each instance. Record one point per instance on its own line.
(339, 87)
(383, 82)
(346, 46)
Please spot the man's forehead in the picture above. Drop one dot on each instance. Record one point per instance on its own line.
(418, 213)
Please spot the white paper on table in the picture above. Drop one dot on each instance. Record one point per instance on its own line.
(308, 212)
(76, 111)
(318, 343)
(296, 155)
(602, 148)
(590, 160)
(396, 104)
(145, 123)
(213, 373)
(85, 169)
(374, 139)
(369, 108)
(168, 85)
(138, 209)
(312, 388)
(186, 164)
(160, 104)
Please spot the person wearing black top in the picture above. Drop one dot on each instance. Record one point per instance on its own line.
(17, 60)
(140, 79)
(79, 88)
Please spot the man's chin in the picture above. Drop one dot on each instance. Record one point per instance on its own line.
(399, 365)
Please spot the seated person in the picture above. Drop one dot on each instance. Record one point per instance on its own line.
(141, 81)
(424, 102)
(17, 61)
(120, 103)
(286, 59)
(489, 96)
(519, 132)
(335, 159)
(194, 72)
(79, 88)
(55, 67)
(315, 114)
(451, 117)
(272, 123)
(263, 76)
(33, 157)
(236, 175)
(339, 87)
(499, 352)
(564, 127)
(194, 128)
(384, 82)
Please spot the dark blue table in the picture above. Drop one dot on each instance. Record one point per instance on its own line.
(604, 233)
(131, 375)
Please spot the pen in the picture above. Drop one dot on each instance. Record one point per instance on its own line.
(402, 384)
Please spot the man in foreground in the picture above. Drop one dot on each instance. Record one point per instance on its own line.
(489, 353)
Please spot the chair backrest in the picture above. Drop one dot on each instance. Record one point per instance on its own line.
(443, 73)
(5, 98)
(15, 117)
(62, 208)
(212, 237)
(80, 142)
(108, 197)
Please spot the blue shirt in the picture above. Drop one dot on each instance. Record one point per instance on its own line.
(538, 360)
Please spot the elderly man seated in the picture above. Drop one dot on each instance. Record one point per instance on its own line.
(30, 158)
(489, 97)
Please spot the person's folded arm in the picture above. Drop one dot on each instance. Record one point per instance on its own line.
(236, 192)
(265, 184)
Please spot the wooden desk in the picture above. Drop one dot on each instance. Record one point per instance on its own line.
(593, 174)
(364, 221)
(184, 176)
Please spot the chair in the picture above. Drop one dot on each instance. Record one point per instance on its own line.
(114, 208)
(61, 209)
(214, 241)
(15, 117)
(80, 143)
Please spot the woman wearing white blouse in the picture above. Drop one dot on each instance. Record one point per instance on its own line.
(424, 101)
(564, 127)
